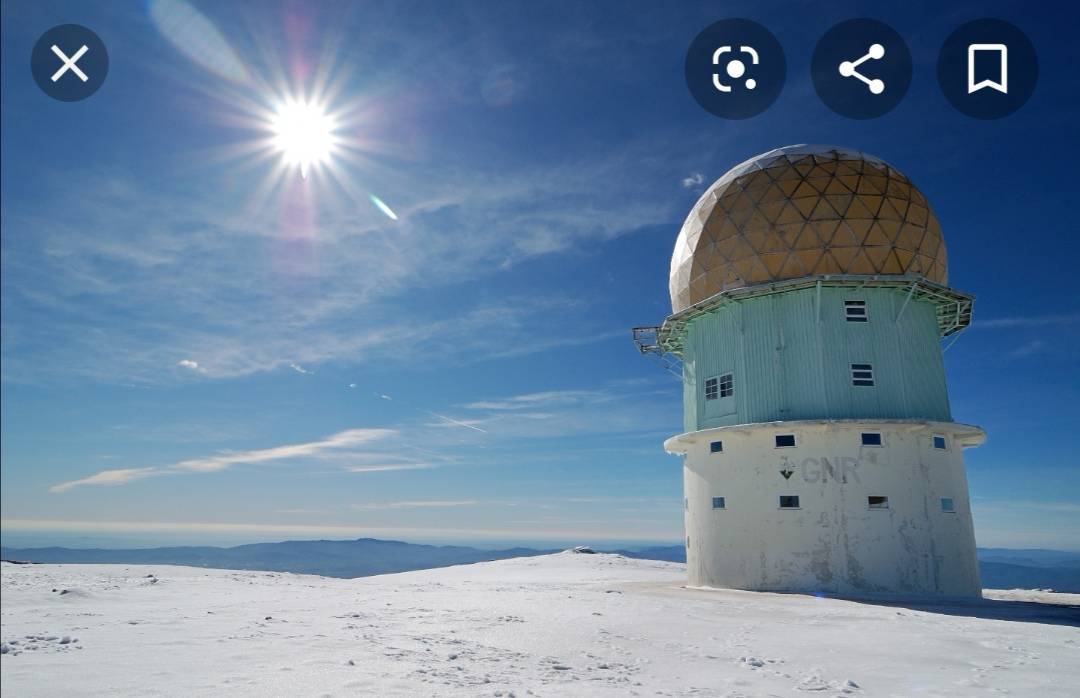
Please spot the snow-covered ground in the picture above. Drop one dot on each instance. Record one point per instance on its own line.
(556, 625)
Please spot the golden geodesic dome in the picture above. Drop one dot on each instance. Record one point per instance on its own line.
(802, 211)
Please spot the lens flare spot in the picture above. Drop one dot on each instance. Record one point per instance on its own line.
(198, 38)
(383, 207)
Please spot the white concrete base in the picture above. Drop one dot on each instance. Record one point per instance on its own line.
(835, 541)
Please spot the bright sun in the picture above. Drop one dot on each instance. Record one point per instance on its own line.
(304, 134)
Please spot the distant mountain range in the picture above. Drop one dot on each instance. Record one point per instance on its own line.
(330, 558)
(1001, 568)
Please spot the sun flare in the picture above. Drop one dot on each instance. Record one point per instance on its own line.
(304, 134)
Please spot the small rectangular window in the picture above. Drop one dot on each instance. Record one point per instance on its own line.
(712, 389)
(785, 440)
(862, 374)
(686, 503)
(875, 502)
(718, 503)
(948, 505)
(789, 501)
(727, 385)
(855, 311)
(871, 438)
(716, 447)
(939, 443)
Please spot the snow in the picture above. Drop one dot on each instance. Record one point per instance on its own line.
(554, 625)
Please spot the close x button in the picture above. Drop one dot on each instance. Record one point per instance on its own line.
(69, 62)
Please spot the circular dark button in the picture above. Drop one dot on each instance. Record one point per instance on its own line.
(861, 68)
(735, 68)
(69, 62)
(987, 68)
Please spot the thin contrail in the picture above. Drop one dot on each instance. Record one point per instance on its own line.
(454, 421)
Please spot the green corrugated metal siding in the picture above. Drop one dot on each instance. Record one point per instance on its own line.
(690, 391)
(789, 364)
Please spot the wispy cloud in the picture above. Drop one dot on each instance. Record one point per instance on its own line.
(300, 369)
(120, 476)
(533, 345)
(242, 298)
(533, 400)
(694, 180)
(1035, 346)
(188, 364)
(341, 440)
(501, 85)
(388, 467)
(634, 500)
(1027, 321)
(423, 504)
(609, 409)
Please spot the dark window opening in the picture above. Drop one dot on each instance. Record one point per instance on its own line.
(718, 503)
(855, 311)
(716, 447)
(785, 440)
(712, 389)
(727, 385)
(789, 501)
(862, 374)
(870, 438)
(875, 502)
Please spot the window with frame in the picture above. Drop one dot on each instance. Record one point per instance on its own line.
(948, 505)
(862, 374)
(727, 385)
(785, 441)
(716, 447)
(940, 443)
(855, 311)
(719, 503)
(871, 438)
(877, 502)
(712, 389)
(789, 501)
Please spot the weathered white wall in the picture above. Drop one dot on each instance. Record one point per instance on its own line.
(833, 542)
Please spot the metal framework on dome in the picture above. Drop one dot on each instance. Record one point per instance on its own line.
(804, 211)
(953, 307)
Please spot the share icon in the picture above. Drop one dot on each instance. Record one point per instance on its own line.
(847, 69)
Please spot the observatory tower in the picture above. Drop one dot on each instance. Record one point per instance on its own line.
(810, 300)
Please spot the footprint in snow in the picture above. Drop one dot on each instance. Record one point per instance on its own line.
(47, 643)
(814, 682)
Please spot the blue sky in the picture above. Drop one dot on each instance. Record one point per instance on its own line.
(197, 350)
